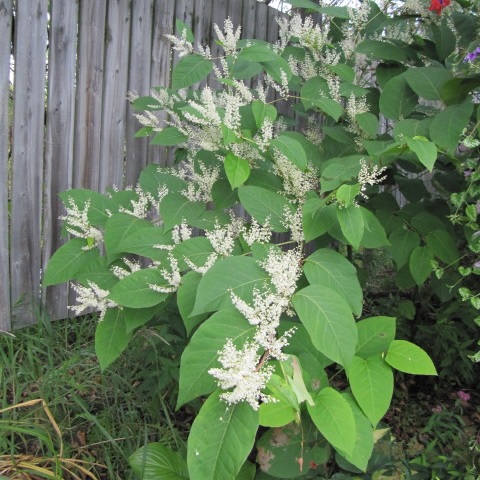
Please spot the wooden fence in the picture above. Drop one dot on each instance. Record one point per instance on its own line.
(74, 62)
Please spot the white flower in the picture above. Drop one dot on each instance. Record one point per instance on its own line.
(181, 44)
(229, 37)
(212, 258)
(132, 265)
(172, 276)
(181, 232)
(257, 233)
(91, 297)
(140, 206)
(78, 225)
(369, 175)
(243, 373)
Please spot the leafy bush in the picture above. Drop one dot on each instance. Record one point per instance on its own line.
(267, 288)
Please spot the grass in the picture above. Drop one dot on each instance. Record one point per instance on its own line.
(60, 413)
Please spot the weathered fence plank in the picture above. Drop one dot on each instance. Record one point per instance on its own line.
(59, 137)
(27, 168)
(5, 34)
(115, 78)
(138, 82)
(88, 110)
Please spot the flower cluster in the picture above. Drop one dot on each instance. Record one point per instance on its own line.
(438, 5)
(246, 371)
(369, 175)
(91, 297)
(472, 56)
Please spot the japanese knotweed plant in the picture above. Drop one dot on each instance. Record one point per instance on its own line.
(247, 231)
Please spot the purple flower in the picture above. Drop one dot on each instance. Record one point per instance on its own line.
(472, 56)
(476, 264)
(464, 396)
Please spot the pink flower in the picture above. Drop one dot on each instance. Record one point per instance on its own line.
(464, 396)
(437, 409)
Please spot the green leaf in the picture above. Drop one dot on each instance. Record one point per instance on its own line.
(426, 151)
(457, 89)
(111, 337)
(153, 178)
(397, 99)
(409, 358)
(186, 294)
(382, 50)
(420, 264)
(261, 111)
(427, 82)
(155, 461)
(141, 241)
(201, 354)
(189, 70)
(175, 208)
(364, 441)
(237, 170)
(292, 149)
(334, 11)
(448, 125)
(334, 418)
(317, 218)
(263, 205)
(368, 122)
(313, 89)
(247, 472)
(339, 170)
(329, 321)
(276, 414)
(181, 27)
(231, 435)
(329, 106)
(403, 242)
(352, 224)
(375, 334)
(445, 40)
(303, 4)
(169, 136)
(134, 290)
(442, 245)
(258, 53)
(329, 269)
(238, 274)
(374, 235)
(120, 226)
(68, 261)
(371, 381)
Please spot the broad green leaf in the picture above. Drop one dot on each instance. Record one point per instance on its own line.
(427, 82)
(329, 321)
(293, 373)
(137, 317)
(352, 224)
(258, 53)
(334, 418)
(420, 264)
(364, 440)
(68, 260)
(409, 358)
(142, 242)
(237, 170)
(397, 99)
(238, 274)
(182, 28)
(175, 208)
(97, 271)
(457, 89)
(375, 334)
(276, 414)
(313, 89)
(335, 11)
(445, 40)
(411, 128)
(134, 291)
(261, 111)
(231, 434)
(368, 122)
(303, 4)
(201, 354)
(153, 178)
(195, 249)
(344, 71)
(403, 242)
(442, 245)
(448, 125)
(339, 170)
(382, 50)
(371, 381)
(189, 70)
(186, 294)
(169, 136)
(247, 472)
(111, 337)
(374, 235)
(317, 218)
(263, 205)
(292, 149)
(329, 106)
(155, 461)
(386, 71)
(120, 226)
(426, 151)
(328, 268)
(348, 89)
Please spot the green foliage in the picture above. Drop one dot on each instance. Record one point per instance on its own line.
(297, 252)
